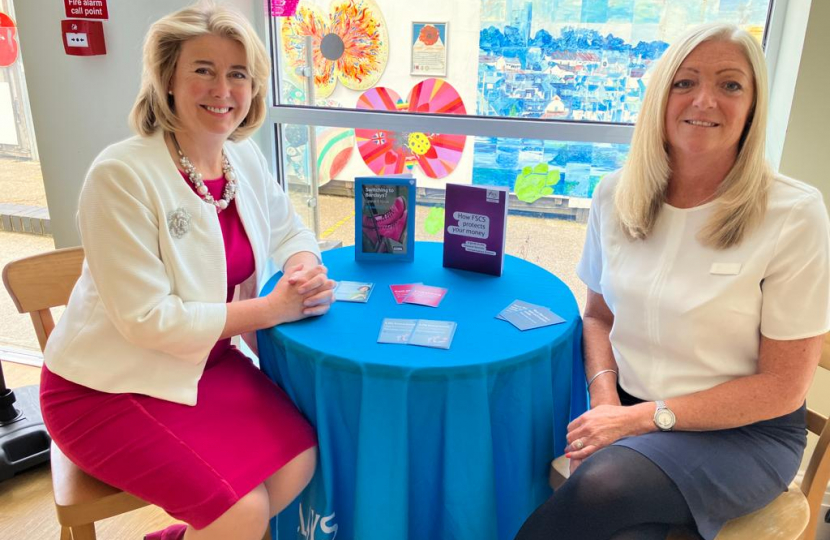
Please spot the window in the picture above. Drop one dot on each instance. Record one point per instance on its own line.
(537, 95)
(23, 198)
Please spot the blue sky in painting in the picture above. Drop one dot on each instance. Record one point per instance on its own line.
(620, 10)
(594, 11)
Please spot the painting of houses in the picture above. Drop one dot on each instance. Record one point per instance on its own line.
(577, 60)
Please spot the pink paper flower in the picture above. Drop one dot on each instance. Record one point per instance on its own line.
(389, 152)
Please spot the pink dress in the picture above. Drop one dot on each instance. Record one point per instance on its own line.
(194, 462)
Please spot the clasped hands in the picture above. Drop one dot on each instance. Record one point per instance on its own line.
(303, 291)
(602, 426)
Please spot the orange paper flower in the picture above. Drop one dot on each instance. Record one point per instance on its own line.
(350, 44)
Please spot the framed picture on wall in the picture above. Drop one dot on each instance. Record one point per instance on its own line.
(385, 215)
(429, 49)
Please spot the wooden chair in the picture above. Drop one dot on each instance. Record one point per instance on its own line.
(794, 515)
(37, 284)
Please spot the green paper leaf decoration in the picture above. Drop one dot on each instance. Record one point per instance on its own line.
(434, 223)
(535, 182)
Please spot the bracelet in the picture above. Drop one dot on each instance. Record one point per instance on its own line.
(600, 372)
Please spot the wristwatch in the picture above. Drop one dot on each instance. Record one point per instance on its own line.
(663, 417)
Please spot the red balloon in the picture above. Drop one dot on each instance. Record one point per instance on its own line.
(8, 41)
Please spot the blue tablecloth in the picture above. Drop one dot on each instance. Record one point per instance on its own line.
(418, 443)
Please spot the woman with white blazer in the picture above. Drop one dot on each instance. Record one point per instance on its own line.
(141, 386)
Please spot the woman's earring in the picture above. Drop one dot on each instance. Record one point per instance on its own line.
(170, 92)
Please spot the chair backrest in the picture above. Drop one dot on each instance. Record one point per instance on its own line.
(41, 282)
(817, 475)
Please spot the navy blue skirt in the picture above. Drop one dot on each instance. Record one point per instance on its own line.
(728, 473)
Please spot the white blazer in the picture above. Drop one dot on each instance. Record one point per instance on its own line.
(148, 306)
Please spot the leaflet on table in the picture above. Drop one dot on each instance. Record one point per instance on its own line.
(526, 316)
(425, 295)
(396, 330)
(475, 230)
(436, 334)
(400, 291)
(353, 291)
(385, 209)
(423, 332)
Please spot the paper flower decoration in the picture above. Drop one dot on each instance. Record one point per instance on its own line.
(350, 44)
(388, 152)
(334, 149)
(533, 183)
(434, 223)
(335, 145)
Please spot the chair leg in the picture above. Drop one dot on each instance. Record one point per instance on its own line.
(83, 532)
(66, 534)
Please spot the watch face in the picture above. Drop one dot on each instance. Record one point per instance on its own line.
(664, 419)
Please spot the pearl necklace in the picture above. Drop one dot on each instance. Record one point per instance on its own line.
(196, 179)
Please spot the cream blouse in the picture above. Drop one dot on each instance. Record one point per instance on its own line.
(688, 317)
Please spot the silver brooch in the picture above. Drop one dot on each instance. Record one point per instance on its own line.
(178, 221)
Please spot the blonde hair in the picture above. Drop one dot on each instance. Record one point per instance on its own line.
(154, 108)
(741, 198)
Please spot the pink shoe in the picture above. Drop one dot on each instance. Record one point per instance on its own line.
(173, 532)
(394, 213)
(395, 229)
(389, 225)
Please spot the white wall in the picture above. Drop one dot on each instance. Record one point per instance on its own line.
(808, 138)
(785, 76)
(80, 104)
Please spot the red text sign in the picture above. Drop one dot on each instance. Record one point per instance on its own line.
(86, 9)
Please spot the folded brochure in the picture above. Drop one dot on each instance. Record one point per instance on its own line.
(526, 316)
(353, 291)
(423, 332)
(425, 295)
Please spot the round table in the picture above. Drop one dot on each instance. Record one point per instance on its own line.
(422, 443)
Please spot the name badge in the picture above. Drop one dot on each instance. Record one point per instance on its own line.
(725, 269)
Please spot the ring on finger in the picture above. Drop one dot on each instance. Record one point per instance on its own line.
(578, 444)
